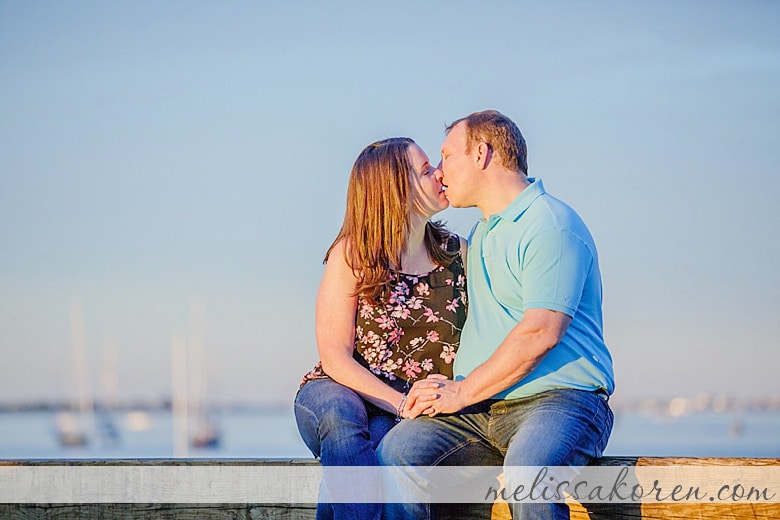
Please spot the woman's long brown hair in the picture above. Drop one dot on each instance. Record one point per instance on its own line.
(376, 221)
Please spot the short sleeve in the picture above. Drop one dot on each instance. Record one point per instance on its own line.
(555, 265)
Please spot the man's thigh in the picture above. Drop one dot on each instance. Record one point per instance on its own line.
(558, 428)
(452, 440)
(455, 440)
(560, 431)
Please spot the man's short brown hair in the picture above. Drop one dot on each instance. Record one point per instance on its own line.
(500, 133)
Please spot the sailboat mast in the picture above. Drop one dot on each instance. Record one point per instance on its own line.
(80, 366)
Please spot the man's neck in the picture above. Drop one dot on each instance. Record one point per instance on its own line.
(505, 186)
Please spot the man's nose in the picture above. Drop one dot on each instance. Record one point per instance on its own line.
(438, 173)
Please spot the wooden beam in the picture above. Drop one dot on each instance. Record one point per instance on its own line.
(595, 511)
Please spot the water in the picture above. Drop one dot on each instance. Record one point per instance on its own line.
(271, 433)
(702, 434)
(149, 434)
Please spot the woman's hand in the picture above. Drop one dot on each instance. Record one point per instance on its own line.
(422, 396)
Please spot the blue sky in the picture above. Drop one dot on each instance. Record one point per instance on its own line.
(157, 157)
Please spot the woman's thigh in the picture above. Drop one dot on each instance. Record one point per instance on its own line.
(325, 408)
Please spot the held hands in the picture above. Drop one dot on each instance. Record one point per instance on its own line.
(431, 396)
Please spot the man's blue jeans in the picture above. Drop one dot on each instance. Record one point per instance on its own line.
(342, 429)
(556, 428)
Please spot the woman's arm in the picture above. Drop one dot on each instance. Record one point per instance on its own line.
(335, 329)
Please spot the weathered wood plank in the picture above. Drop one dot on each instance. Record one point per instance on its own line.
(704, 511)
(156, 512)
(577, 511)
(682, 511)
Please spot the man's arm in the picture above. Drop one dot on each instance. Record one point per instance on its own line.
(525, 346)
(523, 349)
(554, 273)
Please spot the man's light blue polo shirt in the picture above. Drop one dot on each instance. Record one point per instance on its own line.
(536, 254)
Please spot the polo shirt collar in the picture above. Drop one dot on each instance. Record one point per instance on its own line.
(521, 203)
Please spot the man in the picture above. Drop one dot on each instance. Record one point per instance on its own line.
(532, 374)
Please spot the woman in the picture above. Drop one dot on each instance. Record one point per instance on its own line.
(390, 309)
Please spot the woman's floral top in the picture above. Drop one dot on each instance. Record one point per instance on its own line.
(415, 332)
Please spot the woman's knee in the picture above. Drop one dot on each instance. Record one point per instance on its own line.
(325, 396)
(333, 407)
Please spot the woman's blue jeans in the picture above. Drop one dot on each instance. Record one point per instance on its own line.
(342, 429)
(556, 428)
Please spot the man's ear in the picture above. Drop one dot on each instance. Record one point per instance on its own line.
(483, 155)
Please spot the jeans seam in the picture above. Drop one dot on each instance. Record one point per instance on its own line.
(492, 423)
(596, 411)
(606, 432)
(309, 412)
(600, 409)
(456, 448)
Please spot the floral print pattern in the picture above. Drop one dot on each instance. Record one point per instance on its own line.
(416, 331)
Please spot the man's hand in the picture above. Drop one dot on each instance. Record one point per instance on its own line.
(434, 395)
(422, 394)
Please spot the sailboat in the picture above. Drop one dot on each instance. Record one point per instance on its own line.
(188, 380)
(108, 431)
(206, 435)
(70, 432)
(75, 429)
(205, 432)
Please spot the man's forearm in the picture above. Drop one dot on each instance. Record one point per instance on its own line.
(521, 351)
(510, 363)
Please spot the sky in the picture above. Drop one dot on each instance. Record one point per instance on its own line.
(175, 171)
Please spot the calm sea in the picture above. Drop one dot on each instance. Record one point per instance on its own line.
(271, 433)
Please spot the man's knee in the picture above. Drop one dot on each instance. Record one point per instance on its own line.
(405, 444)
(389, 450)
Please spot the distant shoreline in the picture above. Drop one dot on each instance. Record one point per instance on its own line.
(128, 406)
(679, 405)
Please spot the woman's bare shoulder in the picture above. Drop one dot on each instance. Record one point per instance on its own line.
(464, 249)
